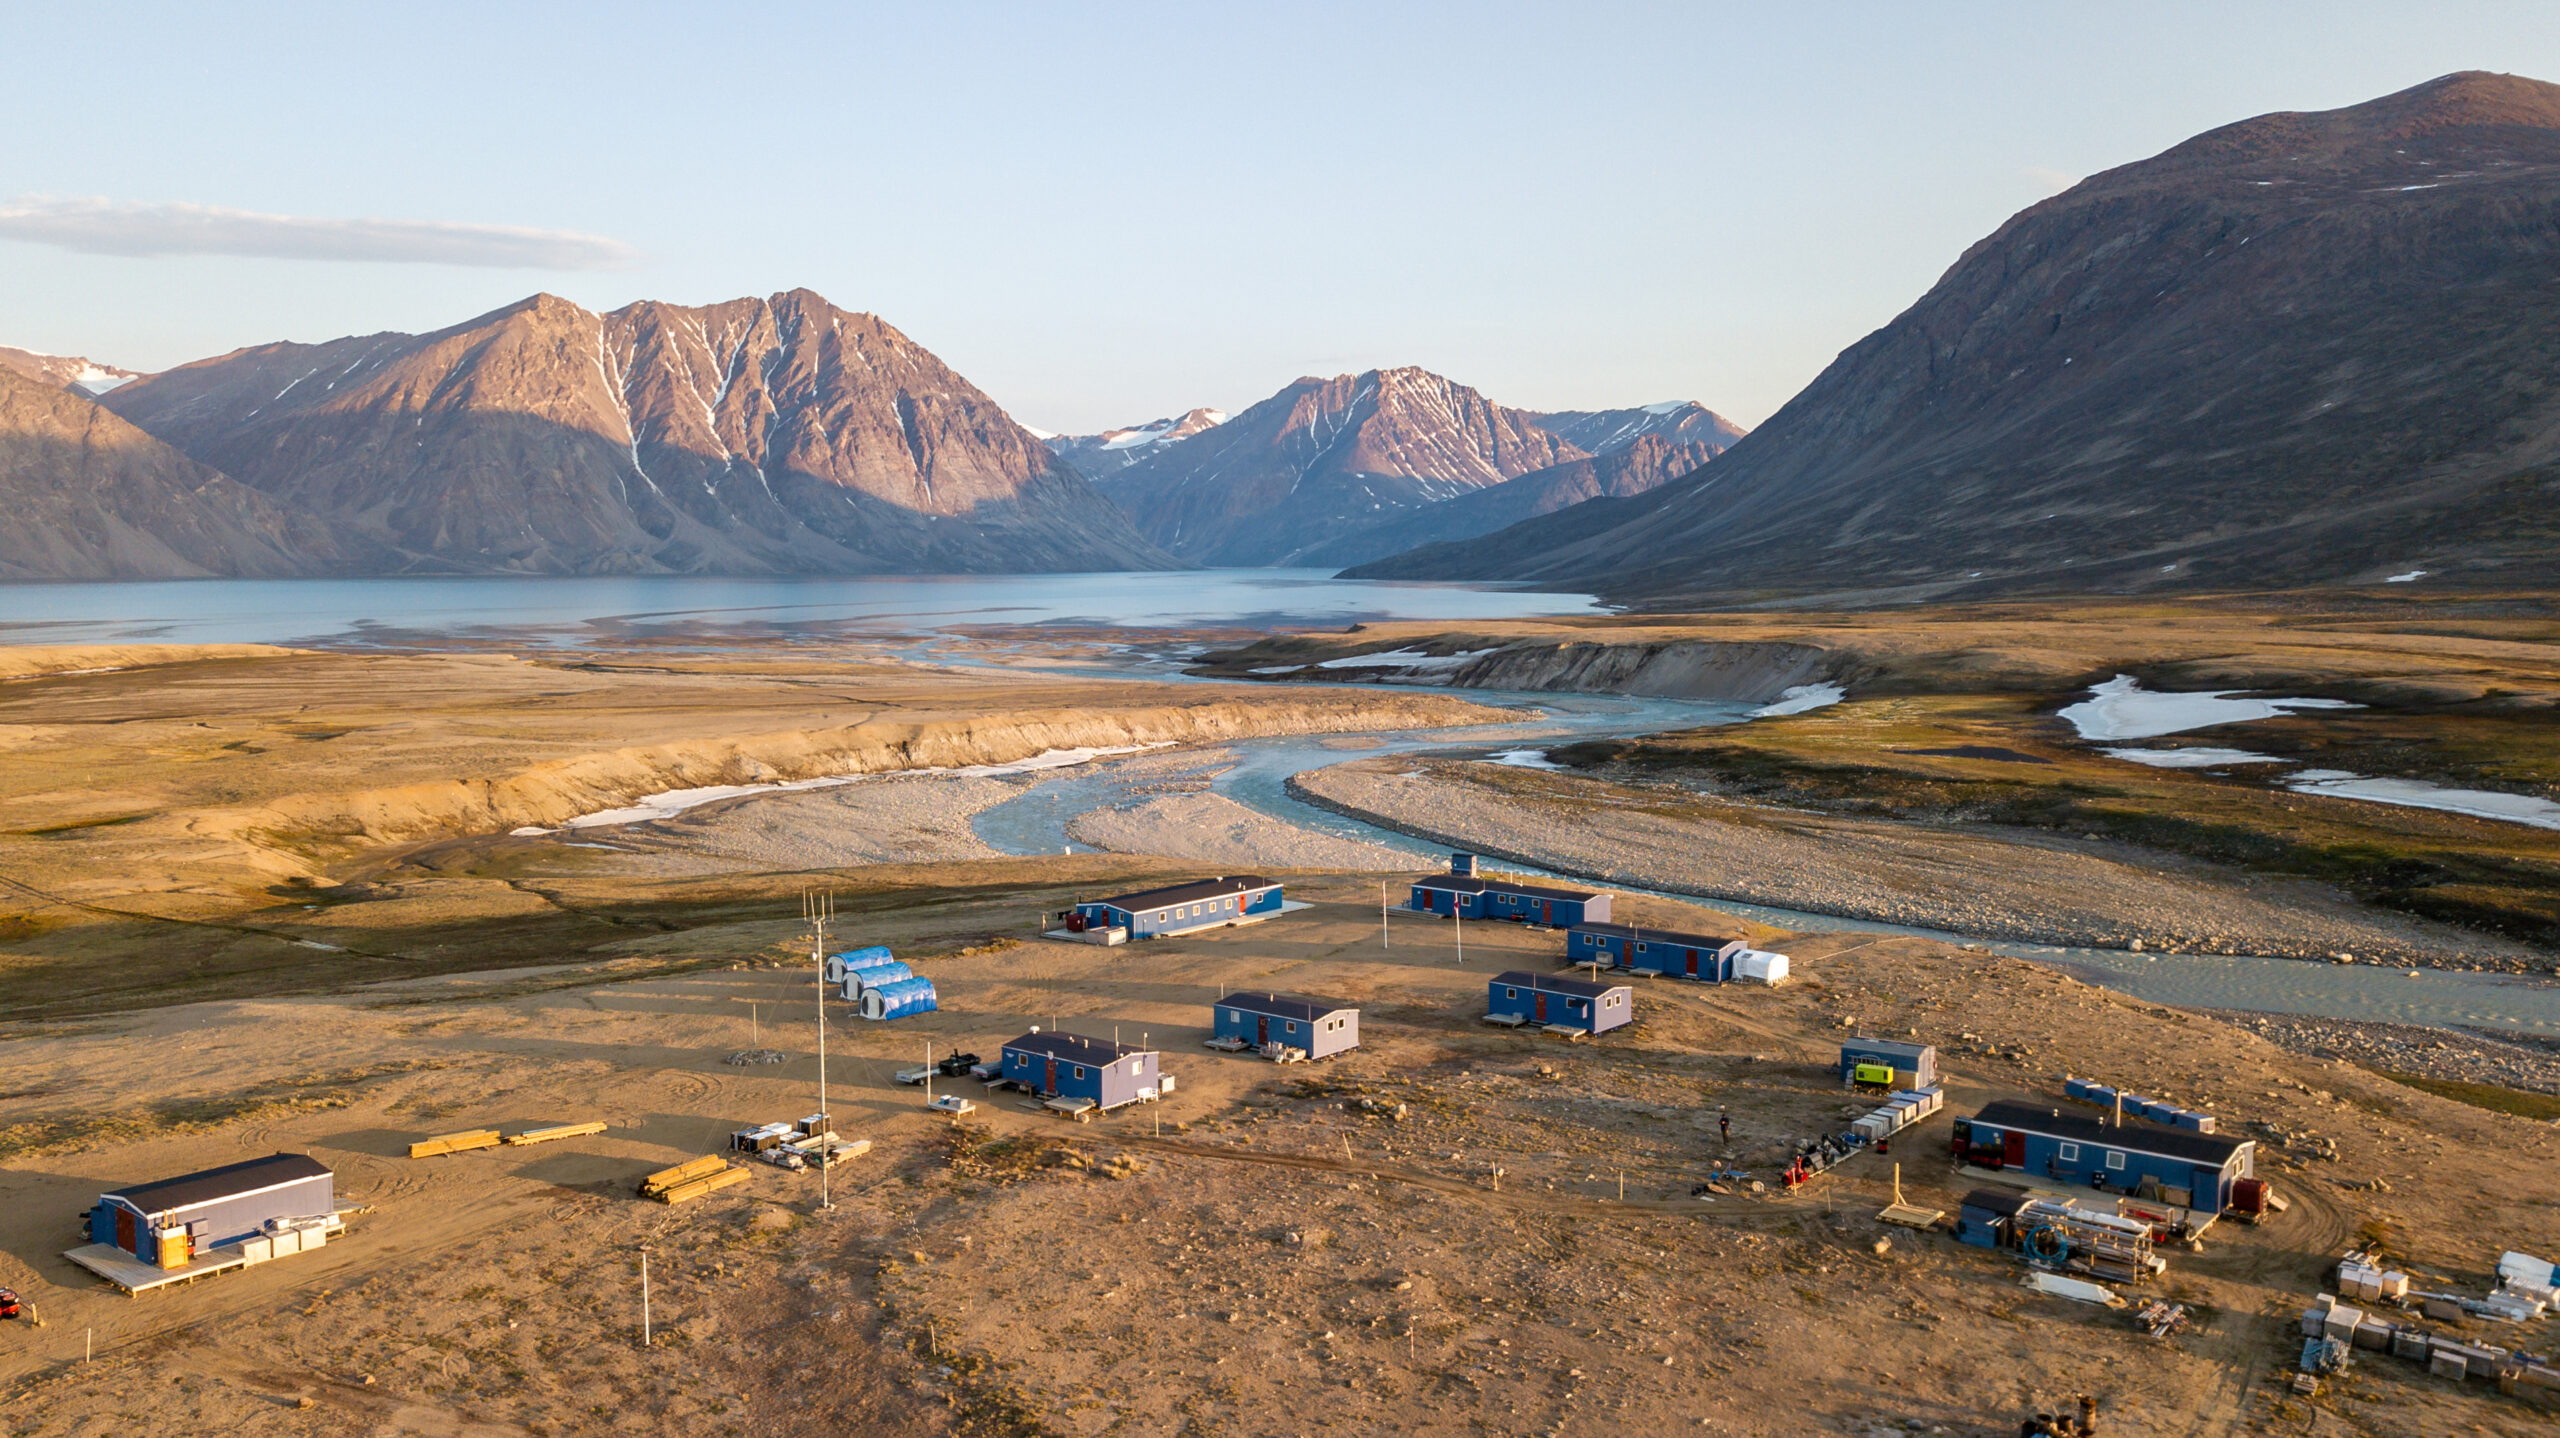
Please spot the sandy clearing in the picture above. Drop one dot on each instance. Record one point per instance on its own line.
(1286, 1262)
(917, 819)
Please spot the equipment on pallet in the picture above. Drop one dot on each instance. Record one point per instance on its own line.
(2162, 1319)
(2058, 1233)
(1816, 1156)
(555, 1132)
(1909, 1215)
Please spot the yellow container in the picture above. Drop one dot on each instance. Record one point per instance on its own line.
(175, 1250)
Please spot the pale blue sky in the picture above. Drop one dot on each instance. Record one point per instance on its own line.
(1102, 213)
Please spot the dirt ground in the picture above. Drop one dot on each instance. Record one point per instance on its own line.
(1270, 1250)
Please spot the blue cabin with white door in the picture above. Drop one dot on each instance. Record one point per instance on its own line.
(1182, 908)
(1707, 958)
(1058, 1065)
(1554, 1001)
(1319, 1026)
(2192, 1170)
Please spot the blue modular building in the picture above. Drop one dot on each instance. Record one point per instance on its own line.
(1556, 1001)
(198, 1212)
(898, 998)
(1472, 896)
(1706, 957)
(1319, 1026)
(1988, 1217)
(1182, 908)
(854, 960)
(1072, 1066)
(1914, 1066)
(2192, 1170)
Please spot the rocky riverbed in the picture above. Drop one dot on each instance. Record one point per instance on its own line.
(1976, 881)
(2455, 1055)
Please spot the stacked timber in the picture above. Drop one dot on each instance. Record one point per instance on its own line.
(708, 1174)
(462, 1142)
(557, 1131)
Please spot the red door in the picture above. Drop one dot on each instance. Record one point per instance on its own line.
(1050, 1083)
(1542, 1008)
(1693, 963)
(1262, 1028)
(1546, 911)
(124, 1229)
(2016, 1155)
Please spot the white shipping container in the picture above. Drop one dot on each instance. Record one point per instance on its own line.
(257, 1250)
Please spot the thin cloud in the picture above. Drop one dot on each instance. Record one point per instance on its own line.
(2053, 182)
(132, 228)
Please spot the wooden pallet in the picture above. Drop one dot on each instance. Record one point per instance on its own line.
(560, 1131)
(462, 1142)
(1909, 1215)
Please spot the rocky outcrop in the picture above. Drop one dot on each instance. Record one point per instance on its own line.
(1749, 672)
(2304, 348)
(777, 435)
(89, 496)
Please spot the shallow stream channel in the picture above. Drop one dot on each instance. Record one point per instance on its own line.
(1256, 772)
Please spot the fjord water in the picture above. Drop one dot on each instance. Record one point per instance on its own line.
(680, 608)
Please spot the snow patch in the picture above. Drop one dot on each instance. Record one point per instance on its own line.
(1800, 698)
(1402, 659)
(2412, 577)
(673, 802)
(2191, 758)
(1524, 759)
(2419, 794)
(1667, 406)
(2122, 709)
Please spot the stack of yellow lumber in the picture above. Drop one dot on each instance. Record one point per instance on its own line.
(454, 1143)
(703, 1181)
(659, 1184)
(546, 1135)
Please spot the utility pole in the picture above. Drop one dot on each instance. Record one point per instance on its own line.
(1382, 917)
(644, 1298)
(1459, 920)
(818, 908)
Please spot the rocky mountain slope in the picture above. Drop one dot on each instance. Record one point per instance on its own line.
(1605, 431)
(2303, 348)
(1641, 467)
(1326, 457)
(88, 496)
(1119, 448)
(69, 371)
(778, 435)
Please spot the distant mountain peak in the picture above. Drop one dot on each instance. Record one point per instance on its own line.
(1112, 449)
(73, 372)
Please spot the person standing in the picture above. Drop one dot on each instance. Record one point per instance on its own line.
(1724, 1127)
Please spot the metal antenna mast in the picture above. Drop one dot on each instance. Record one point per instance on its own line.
(817, 909)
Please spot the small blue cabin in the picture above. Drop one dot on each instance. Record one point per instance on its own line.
(1988, 1217)
(1072, 1066)
(1319, 1026)
(2193, 1170)
(1463, 893)
(1554, 1001)
(1914, 1066)
(199, 1212)
(1705, 957)
(1182, 908)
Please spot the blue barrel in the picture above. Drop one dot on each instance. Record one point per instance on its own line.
(899, 998)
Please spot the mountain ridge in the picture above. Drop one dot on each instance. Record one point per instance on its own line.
(757, 435)
(2299, 349)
